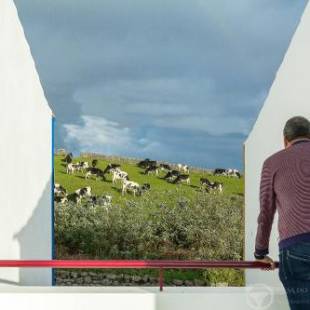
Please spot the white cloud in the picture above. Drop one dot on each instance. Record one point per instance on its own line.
(97, 134)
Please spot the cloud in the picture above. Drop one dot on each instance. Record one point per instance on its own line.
(199, 68)
(97, 134)
(109, 137)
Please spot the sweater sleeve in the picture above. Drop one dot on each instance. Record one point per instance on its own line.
(267, 210)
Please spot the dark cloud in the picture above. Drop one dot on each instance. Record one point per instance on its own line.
(187, 78)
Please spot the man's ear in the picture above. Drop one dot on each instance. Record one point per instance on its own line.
(286, 143)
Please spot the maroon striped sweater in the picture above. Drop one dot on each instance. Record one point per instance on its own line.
(285, 188)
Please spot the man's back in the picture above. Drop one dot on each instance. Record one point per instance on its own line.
(285, 187)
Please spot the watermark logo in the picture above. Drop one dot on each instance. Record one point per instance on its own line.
(259, 297)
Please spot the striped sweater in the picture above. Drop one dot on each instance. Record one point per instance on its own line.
(285, 188)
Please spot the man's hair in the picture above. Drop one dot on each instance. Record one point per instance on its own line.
(297, 127)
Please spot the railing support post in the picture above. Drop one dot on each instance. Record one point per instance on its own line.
(161, 279)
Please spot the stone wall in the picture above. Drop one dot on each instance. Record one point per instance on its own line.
(93, 278)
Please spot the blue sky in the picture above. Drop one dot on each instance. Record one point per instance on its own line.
(177, 80)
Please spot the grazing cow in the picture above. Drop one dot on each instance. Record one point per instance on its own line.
(215, 186)
(204, 182)
(110, 167)
(71, 168)
(182, 178)
(165, 167)
(130, 186)
(68, 158)
(74, 197)
(118, 174)
(59, 199)
(104, 200)
(79, 166)
(171, 175)
(147, 163)
(183, 168)
(220, 171)
(143, 163)
(84, 192)
(227, 172)
(94, 163)
(94, 172)
(151, 169)
(83, 165)
(59, 190)
(233, 173)
(144, 188)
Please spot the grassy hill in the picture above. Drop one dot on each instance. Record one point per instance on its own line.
(169, 222)
(232, 186)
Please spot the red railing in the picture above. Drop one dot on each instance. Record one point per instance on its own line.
(161, 265)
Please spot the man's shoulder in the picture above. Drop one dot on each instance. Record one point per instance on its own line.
(275, 158)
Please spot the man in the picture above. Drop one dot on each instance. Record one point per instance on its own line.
(285, 187)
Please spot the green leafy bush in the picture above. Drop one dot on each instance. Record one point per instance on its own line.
(168, 225)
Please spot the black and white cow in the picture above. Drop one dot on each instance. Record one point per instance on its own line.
(59, 190)
(165, 167)
(94, 163)
(131, 186)
(205, 182)
(83, 165)
(84, 191)
(144, 188)
(143, 163)
(220, 172)
(233, 173)
(227, 172)
(59, 199)
(94, 172)
(215, 187)
(147, 163)
(171, 175)
(118, 174)
(182, 178)
(110, 167)
(183, 168)
(104, 200)
(151, 169)
(68, 158)
(60, 194)
(74, 197)
(79, 194)
(71, 168)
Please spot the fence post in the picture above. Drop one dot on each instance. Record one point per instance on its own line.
(161, 279)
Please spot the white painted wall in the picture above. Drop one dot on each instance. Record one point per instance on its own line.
(118, 298)
(25, 156)
(289, 96)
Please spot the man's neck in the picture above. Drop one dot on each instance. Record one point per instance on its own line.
(299, 139)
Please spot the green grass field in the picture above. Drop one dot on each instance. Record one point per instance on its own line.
(232, 186)
(169, 222)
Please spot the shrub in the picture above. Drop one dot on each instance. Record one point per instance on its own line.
(168, 226)
(208, 227)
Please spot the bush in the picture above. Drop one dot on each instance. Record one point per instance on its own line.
(168, 226)
(208, 227)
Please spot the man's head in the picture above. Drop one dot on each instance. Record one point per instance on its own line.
(295, 128)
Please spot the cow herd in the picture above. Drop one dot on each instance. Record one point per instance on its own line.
(61, 196)
(174, 174)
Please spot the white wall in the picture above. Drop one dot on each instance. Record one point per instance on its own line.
(118, 298)
(25, 157)
(288, 97)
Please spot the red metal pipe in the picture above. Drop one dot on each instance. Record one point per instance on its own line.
(133, 264)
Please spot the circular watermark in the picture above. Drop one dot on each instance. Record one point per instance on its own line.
(259, 296)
